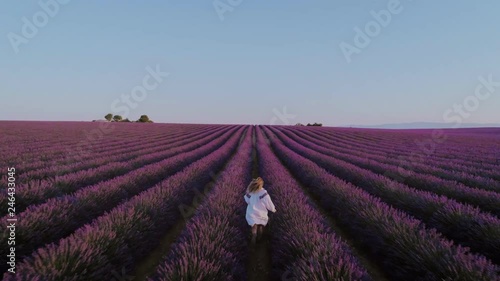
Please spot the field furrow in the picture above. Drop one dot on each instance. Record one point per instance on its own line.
(33, 194)
(469, 178)
(158, 202)
(59, 217)
(213, 244)
(115, 241)
(462, 223)
(409, 250)
(486, 200)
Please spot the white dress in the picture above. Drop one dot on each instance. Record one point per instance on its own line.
(258, 205)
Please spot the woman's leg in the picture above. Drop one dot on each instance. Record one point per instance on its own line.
(260, 231)
(254, 233)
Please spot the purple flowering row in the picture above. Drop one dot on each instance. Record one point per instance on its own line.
(456, 140)
(52, 169)
(32, 194)
(123, 138)
(453, 168)
(58, 217)
(304, 247)
(404, 144)
(486, 200)
(462, 223)
(450, 165)
(129, 232)
(110, 154)
(408, 249)
(30, 151)
(346, 151)
(27, 157)
(100, 148)
(213, 245)
(35, 193)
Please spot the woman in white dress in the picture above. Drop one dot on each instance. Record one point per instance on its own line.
(259, 203)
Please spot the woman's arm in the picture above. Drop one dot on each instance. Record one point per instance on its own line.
(269, 204)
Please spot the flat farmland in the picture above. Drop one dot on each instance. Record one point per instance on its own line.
(120, 201)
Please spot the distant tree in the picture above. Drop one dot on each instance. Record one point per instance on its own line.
(144, 119)
(117, 118)
(108, 116)
(315, 124)
(126, 120)
(299, 124)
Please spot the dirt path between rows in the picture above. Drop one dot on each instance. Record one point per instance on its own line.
(148, 266)
(367, 260)
(259, 256)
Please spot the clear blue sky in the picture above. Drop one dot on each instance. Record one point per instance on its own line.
(263, 56)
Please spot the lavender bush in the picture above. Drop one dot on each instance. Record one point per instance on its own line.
(409, 250)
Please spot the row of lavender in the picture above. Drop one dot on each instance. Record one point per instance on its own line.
(31, 151)
(126, 234)
(299, 232)
(304, 247)
(480, 141)
(486, 200)
(40, 165)
(485, 179)
(213, 246)
(105, 154)
(424, 161)
(38, 193)
(406, 144)
(59, 217)
(408, 249)
(18, 136)
(466, 159)
(41, 136)
(35, 192)
(99, 148)
(462, 223)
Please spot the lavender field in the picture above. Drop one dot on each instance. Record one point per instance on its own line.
(131, 201)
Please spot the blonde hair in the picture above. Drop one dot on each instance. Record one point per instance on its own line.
(255, 185)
